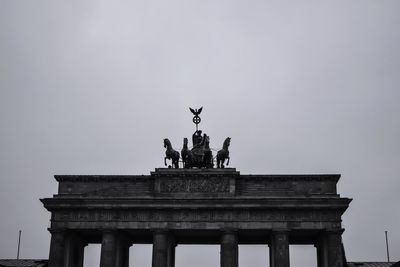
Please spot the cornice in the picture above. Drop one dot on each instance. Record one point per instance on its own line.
(278, 203)
(197, 173)
(99, 178)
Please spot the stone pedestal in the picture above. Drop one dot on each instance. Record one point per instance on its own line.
(229, 249)
(279, 249)
(57, 245)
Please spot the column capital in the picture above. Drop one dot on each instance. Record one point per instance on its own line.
(109, 231)
(124, 238)
(326, 232)
(165, 232)
(334, 231)
(229, 237)
(229, 230)
(57, 230)
(280, 231)
(160, 231)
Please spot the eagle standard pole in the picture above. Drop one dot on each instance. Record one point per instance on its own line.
(387, 246)
(19, 243)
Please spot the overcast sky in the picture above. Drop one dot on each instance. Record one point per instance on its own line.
(92, 87)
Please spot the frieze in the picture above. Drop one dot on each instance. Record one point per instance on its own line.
(194, 216)
(194, 185)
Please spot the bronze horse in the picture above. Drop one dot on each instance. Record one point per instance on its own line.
(223, 153)
(171, 154)
(186, 153)
(208, 157)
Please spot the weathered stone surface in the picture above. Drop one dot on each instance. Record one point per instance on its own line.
(74, 250)
(229, 249)
(57, 248)
(108, 249)
(279, 248)
(197, 199)
(163, 249)
(334, 250)
(172, 206)
(197, 182)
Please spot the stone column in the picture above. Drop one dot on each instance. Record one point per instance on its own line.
(171, 254)
(122, 251)
(279, 249)
(57, 245)
(229, 249)
(114, 249)
(322, 252)
(329, 249)
(108, 249)
(74, 250)
(335, 248)
(161, 247)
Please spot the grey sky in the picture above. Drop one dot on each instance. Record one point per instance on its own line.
(92, 87)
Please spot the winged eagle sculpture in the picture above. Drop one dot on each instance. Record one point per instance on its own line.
(196, 112)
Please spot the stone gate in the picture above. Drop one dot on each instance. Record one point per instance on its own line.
(195, 206)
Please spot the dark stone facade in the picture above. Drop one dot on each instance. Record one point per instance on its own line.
(195, 206)
(23, 263)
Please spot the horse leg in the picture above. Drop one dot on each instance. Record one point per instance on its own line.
(227, 164)
(165, 161)
(177, 160)
(190, 161)
(209, 161)
(222, 164)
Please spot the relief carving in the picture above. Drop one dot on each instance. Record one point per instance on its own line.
(200, 185)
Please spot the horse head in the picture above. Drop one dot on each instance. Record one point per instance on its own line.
(206, 141)
(167, 143)
(227, 143)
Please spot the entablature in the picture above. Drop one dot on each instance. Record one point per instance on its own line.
(197, 183)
